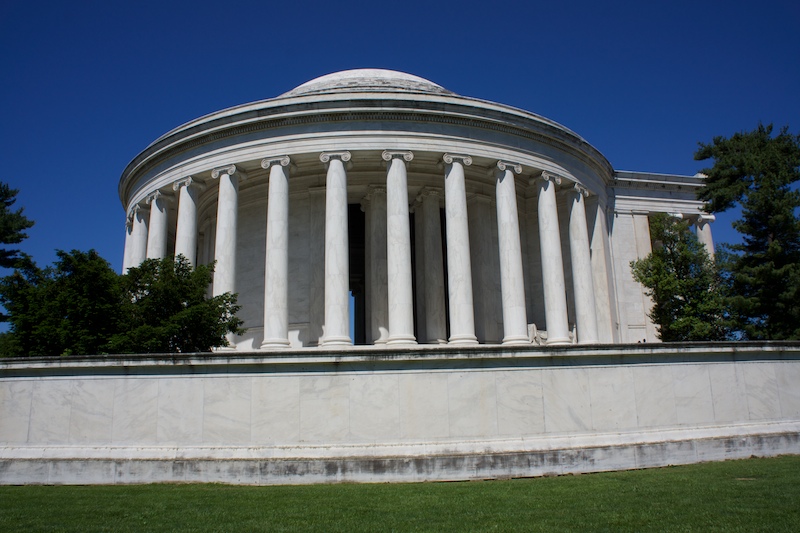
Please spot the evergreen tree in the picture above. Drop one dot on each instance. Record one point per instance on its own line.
(12, 226)
(760, 171)
(69, 308)
(683, 282)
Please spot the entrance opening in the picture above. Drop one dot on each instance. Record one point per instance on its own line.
(356, 235)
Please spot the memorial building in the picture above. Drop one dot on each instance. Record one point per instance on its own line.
(444, 219)
(496, 330)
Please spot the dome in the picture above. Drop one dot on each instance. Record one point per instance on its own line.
(367, 79)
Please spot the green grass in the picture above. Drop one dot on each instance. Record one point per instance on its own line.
(748, 495)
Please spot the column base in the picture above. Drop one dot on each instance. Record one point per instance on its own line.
(401, 339)
(516, 340)
(436, 341)
(463, 339)
(558, 341)
(343, 340)
(275, 344)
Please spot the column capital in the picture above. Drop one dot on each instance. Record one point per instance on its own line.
(187, 182)
(230, 170)
(508, 165)
(325, 157)
(678, 216)
(461, 158)
(548, 176)
(372, 191)
(155, 195)
(388, 155)
(705, 218)
(283, 161)
(580, 190)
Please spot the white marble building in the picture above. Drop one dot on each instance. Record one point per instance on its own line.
(448, 219)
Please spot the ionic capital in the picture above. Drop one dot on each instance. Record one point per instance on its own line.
(188, 181)
(461, 158)
(580, 190)
(677, 216)
(507, 165)
(372, 192)
(547, 176)
(388, 155)
(229, 170)
(705, 218)
(325, 157)
(283, 161)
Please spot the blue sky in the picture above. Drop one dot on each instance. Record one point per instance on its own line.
(88, 84)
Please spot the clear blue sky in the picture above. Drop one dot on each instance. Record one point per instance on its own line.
(88, 84)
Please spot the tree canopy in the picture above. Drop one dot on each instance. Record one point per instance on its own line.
(759, 171)
(81, 306)
(12, 226)
(682, 280)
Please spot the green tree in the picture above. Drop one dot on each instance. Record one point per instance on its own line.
(81, 306)
(12, 226)
(759, 171)
(69, 308)
(683, 282)
(166, 309)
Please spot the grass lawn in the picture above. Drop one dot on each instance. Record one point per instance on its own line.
(748, 495)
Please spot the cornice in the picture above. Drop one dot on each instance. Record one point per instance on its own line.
(529, 127)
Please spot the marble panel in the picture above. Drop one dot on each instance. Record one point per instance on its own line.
(91, 420)
(788, 376)
(375, 407)
(567, 400)
(324, 408)
(180, 410)
(135, 411)
(299, 260)
(613, 397)
(655, 398)
(472, 404)
(423, 406)
(728, 393)
(50, 411)
(226, 410)
(520, 402)
(15, 410)
(762, 391)
(275, 410)
(692, 389)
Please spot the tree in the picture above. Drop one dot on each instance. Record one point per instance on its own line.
(12, 226)
(166, 310)
(760, 171)
(81, 306)
(683, 282)
(71, 307)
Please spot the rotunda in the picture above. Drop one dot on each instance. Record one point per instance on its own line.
(441, 219)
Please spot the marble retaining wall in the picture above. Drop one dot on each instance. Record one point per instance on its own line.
(367, 414)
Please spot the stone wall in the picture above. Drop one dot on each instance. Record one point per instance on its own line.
(370, 414)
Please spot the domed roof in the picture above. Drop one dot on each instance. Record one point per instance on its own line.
(367, 80)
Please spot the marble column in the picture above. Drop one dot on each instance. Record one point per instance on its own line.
(337, 260)
(316, 245)
(276, 272)
(374, 206)
(583, 285)
(459, 269)
(435, 314)
(157, 230)
(138, 236)
(227, 225)
(126, 255)
(398, 249)
(555, 299)
(703, 225)
(186, 230)
(512, 281)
